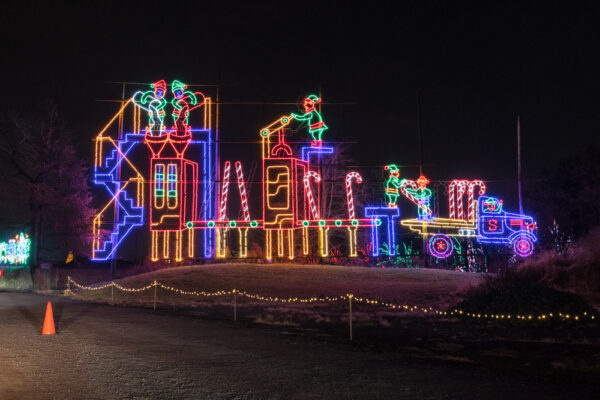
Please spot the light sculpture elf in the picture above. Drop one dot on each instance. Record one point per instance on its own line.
(154, 102)
(313, 119)
(392, 184)
(423, 197)
(183, 102)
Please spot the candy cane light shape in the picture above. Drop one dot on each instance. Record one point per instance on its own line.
(242, 189)
(309, 193)
(224, 190)
(349, 198)
(472, 185)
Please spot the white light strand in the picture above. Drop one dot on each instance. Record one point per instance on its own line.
(328, 299)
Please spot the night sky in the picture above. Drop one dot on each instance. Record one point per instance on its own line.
(475, 67)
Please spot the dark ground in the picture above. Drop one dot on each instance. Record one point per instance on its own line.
(113, 352)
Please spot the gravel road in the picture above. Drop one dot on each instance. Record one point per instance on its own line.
(106, 352)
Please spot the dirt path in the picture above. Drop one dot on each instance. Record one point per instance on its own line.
(104, 352)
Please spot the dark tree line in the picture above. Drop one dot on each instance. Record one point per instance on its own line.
(45, 184)
(570, 194)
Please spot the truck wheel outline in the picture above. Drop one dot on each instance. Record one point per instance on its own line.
(441, 246)
(523, 246)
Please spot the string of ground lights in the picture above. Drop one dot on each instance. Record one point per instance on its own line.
(187, 209)
(334, 299)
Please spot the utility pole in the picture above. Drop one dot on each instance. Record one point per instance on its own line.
(519, 163)
(420, 134)
(424, 243)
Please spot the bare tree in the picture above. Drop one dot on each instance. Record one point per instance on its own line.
(45, 173)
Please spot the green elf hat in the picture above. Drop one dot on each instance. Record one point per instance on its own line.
(314, 98)
(392, 168)
(178, 85)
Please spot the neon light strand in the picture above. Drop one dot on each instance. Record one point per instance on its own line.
(440, 246)
(313, 118)
(107, 173)
(461, 189)
(349, 198)
(392, 184)
(418, 194)
(309, 193)
(242, 188)
(183, 102)
(451, 199)
(154, 103)
(496, 226)
(412, 185)
(224, 191)
(456, 190)
(471, 207)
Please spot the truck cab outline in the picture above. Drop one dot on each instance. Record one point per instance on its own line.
(496, 226)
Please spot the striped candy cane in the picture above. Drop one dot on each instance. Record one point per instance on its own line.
(349, 198)
(413, 185)
(309, 193)
(472, 184)
(451, 199)
(224, 190)
(456, 190)
(242, 189)
(461, 189)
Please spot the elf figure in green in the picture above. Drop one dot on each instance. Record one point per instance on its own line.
(183, 102)
(392, 185)
(423, 197)
(313, 119)
(154, 102)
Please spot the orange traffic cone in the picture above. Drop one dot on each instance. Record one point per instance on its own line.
(48, 328)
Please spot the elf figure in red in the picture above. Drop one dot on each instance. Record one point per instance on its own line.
(313, 118)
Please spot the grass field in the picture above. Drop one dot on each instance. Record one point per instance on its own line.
(421, 287)
(548, 349)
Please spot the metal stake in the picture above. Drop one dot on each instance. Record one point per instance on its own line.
(350, 314)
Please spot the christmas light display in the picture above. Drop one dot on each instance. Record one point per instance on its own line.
(15, 251)
(242, 188)
(440, 246)
(471, 207)
(392, 184)
(175, 181)
(224, 191)
(389, 215)
(182, 197)
(313, 118)
(309, 194)
(154, 102)
(421, 196)
(485, 221)
(411, 190)
(349, 197)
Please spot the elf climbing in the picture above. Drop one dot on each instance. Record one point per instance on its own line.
(423, 197)
(313, 118)
(183, 102)
(154, 102)
(392, 184)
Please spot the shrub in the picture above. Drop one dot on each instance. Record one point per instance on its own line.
(514, 292)
(576, 270)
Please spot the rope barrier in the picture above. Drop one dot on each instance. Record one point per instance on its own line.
(327, 299)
